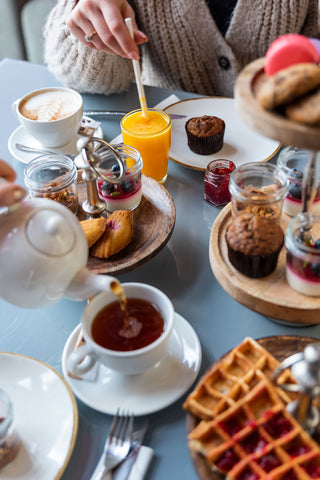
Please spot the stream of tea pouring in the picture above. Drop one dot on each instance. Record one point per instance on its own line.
(43, 256)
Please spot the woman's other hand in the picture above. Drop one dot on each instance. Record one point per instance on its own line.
(9, 191)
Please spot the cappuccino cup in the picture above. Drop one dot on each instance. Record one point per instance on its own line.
(127, 362)
(51, 115)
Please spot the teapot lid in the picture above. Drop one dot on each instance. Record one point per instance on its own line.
(50, 233)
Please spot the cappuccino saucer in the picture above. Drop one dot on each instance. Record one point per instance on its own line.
(149, 392)
(20, 135)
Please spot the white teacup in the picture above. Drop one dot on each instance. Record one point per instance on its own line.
(51, 115)
(126, 362)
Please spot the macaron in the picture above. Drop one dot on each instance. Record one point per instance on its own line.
(288, 50)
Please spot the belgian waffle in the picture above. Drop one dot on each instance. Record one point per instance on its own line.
(231, 379)
(256, 438)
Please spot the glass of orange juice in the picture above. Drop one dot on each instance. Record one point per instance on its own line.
(151, 136)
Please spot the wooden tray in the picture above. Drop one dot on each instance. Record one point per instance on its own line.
(269, 123)
(154, 221)
(271, 296)
(281, 346)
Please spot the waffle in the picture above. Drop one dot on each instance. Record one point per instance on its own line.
(231, 379)
(256, 438)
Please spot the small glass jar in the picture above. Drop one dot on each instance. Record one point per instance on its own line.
(259, 189)
(53, 176)
(292, 161)
(9, 439)
(302, 241)
(216, 182)
(126, 193)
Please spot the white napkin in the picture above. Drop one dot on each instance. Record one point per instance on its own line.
(161, 105)
(141, 464)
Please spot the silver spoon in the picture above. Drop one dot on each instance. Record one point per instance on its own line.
(25, 148)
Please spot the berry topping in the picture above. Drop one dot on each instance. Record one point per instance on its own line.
(115, 168)
(295, 191)
(227, 460)
(313, 470)
(315, 268)
(269, 462)
(278, 426)
(253, 443)
(248, 474)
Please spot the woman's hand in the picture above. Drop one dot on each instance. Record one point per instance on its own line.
(100, 24)
(9, 191)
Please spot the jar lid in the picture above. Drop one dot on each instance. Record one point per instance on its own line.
(50, 173)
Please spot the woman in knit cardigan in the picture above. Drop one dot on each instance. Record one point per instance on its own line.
(195, 45)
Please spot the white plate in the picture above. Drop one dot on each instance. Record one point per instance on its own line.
(20, 135)
(45, 415)
(241, 144)
(149, 392)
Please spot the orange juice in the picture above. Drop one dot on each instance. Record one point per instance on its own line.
(151, 136)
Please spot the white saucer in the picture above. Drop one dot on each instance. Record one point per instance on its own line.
(20, 135)
(45, 416)
(149, 392)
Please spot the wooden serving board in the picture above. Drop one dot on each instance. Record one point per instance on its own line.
(281, 347)
(154, 220)
(271, 296)
(269, 123)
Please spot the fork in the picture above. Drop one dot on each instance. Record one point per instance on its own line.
(117, 445)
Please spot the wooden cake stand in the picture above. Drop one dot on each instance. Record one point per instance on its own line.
(269, 123)
(271, 295)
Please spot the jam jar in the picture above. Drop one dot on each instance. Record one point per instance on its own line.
(293, 162)
(302, 241)
(216, 182)
(258, 189)
(53, 176)
(126, 193)
(9, 438)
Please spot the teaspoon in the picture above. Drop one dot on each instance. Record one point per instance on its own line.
(25, 148)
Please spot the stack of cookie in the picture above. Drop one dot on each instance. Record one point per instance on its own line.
(292, 83)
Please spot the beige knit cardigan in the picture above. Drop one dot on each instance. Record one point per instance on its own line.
(185, 47)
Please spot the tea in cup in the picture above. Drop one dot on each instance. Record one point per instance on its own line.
(51, 115)
(128, 341)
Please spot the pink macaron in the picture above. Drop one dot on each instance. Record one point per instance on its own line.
(288, 50)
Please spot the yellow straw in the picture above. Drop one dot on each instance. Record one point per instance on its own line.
(137, 74)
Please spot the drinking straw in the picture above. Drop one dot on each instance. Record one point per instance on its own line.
(137, 74)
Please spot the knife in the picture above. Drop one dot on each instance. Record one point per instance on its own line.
(114, 113)
(122, 472)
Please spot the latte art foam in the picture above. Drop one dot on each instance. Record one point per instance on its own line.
(49, 106)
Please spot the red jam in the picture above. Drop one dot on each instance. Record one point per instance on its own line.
(269, 462)
(216, 183)
(253, 443)
(278, 426)
(227, 460)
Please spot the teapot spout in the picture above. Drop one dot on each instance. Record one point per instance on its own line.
(85, 284)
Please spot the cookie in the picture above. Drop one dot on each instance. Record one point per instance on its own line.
(288, 84)
(117, 235)
(306, 109)
(93, 229)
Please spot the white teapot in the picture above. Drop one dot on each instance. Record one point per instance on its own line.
(43, 255)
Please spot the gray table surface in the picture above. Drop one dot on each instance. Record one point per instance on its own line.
(182, 270)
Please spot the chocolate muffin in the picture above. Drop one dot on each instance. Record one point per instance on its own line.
(205, 134)
(254, 244)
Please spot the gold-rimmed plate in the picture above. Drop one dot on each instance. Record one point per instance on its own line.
(45, 417)
(241, 144)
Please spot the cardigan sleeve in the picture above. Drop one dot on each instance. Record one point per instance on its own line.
(311, 26)
(75, 65)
